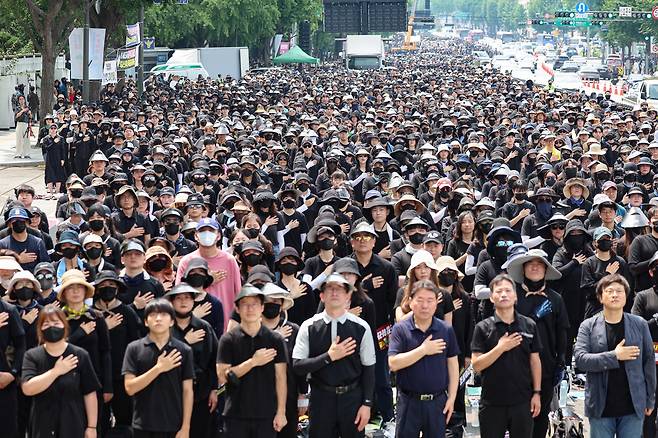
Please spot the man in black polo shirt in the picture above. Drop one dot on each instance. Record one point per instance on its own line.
(505, 350)
(140, 286)
(381, 284)
(127, 220)
(251, 361)
(198, 334)
(423, 351)
(158, 372)
(336, 348)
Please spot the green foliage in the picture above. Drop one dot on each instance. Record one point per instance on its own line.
(624, 33)
(492, 15)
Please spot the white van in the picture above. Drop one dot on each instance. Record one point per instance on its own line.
(189, 71)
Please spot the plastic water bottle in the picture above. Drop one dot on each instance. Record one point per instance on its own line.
(564, 390)
(475, 407)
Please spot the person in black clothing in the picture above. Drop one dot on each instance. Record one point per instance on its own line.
(23, 292)
(158, 373)
(544, 199)
(295, 234)
(89, 331)
(251, 361)
(603, 262)
(30, 249)
(377, 212)
(553, 232)
(641, 250)
(60, 378)
(275, 308)
(206, 307)
(646, 306)
(124, 327)
(127, 220)
(140, 286)
(200, 336)
(12, 349)
(379, 281)
(324, 237)
(289, 264)
(171, 220)
(568, 260)
(507, 344)
(337, 349)
(536, 300)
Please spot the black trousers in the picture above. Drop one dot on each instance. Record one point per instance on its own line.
(290, 431)
(145, 434)
(496, 420)
(9, 410)
(200, 424)
(649, 426)
(541, 421)
(24, 407)
(332, 415)
(234, 428)
(121, 405)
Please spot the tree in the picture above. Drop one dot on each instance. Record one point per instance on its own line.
(48, 24)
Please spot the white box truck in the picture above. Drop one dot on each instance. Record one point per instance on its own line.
(364, 52)
(224, 61)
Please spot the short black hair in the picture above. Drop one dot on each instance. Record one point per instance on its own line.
(25, 188)
(159, 305)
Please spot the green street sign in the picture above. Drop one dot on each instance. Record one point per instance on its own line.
(576, 22)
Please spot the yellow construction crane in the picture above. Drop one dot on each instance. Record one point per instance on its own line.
(409, 44)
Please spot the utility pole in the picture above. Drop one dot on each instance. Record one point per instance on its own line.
(85, 56)
(140, 70)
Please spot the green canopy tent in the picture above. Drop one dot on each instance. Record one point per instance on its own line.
(295, 56)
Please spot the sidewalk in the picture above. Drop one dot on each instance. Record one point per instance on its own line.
(8, 150)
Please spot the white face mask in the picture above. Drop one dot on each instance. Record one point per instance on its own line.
(207, 238)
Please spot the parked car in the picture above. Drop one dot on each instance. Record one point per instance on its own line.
(482, 57)
(589, 73)
(570, 67)
(560, 62)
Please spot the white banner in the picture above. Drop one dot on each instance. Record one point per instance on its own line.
(132, 33)
(96, 49)
(110, 72)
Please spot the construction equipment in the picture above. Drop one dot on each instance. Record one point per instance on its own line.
(409, 43)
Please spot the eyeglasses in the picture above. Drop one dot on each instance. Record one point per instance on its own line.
(502, 243)
(362, 238)
(558, 227)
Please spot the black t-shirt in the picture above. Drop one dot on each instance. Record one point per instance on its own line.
(159, 406)
(618, 401)
(293, 237)
(59, 410)
(255, 396)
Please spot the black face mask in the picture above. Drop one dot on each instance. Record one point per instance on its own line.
(604, 245)
(271, 310)
(97, 224)
(408, 207)
(377, 170)
(520, 196)
(182, 315)
(327, 244)
(654, 278)
(76, 193)
(252, 233)
(172, 229)
(46, 283)
(53, 334)
(500, 254)
(70, 253)
(24, 293)
(288, 203)
(288, 269)
(485, 227)
(196, 280)
(246, 173)
(303, 187)
(253, 259)
(157, 265)
(570, 172)
(575, 242)
(233, 177)
(200, 180)
(416, 238)
(107, 293)
(447, 278)
(149, 182)
(533, 286)
(655, 227)
(19, 226)
(94, 253)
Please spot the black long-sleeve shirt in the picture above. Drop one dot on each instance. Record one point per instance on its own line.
(646, 306)
(204, 353)
(97, 344)
(120, 336)
(640, 252)
(12, 335)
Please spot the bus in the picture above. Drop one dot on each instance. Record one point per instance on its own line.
(544, 39)
(507, 37)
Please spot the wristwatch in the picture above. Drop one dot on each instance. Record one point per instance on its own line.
(536, 391)
(367, 402)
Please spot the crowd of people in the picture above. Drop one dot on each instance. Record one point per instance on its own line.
(271, 256)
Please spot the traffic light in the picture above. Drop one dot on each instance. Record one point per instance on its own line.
(305, 36)
(540, 22)
(598, 23)
(641, 15)
(565, 14)
(603, 15)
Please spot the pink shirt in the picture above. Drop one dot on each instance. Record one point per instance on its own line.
(225, 290)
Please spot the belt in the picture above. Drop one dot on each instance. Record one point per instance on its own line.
(336, 389)
(423, 397)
